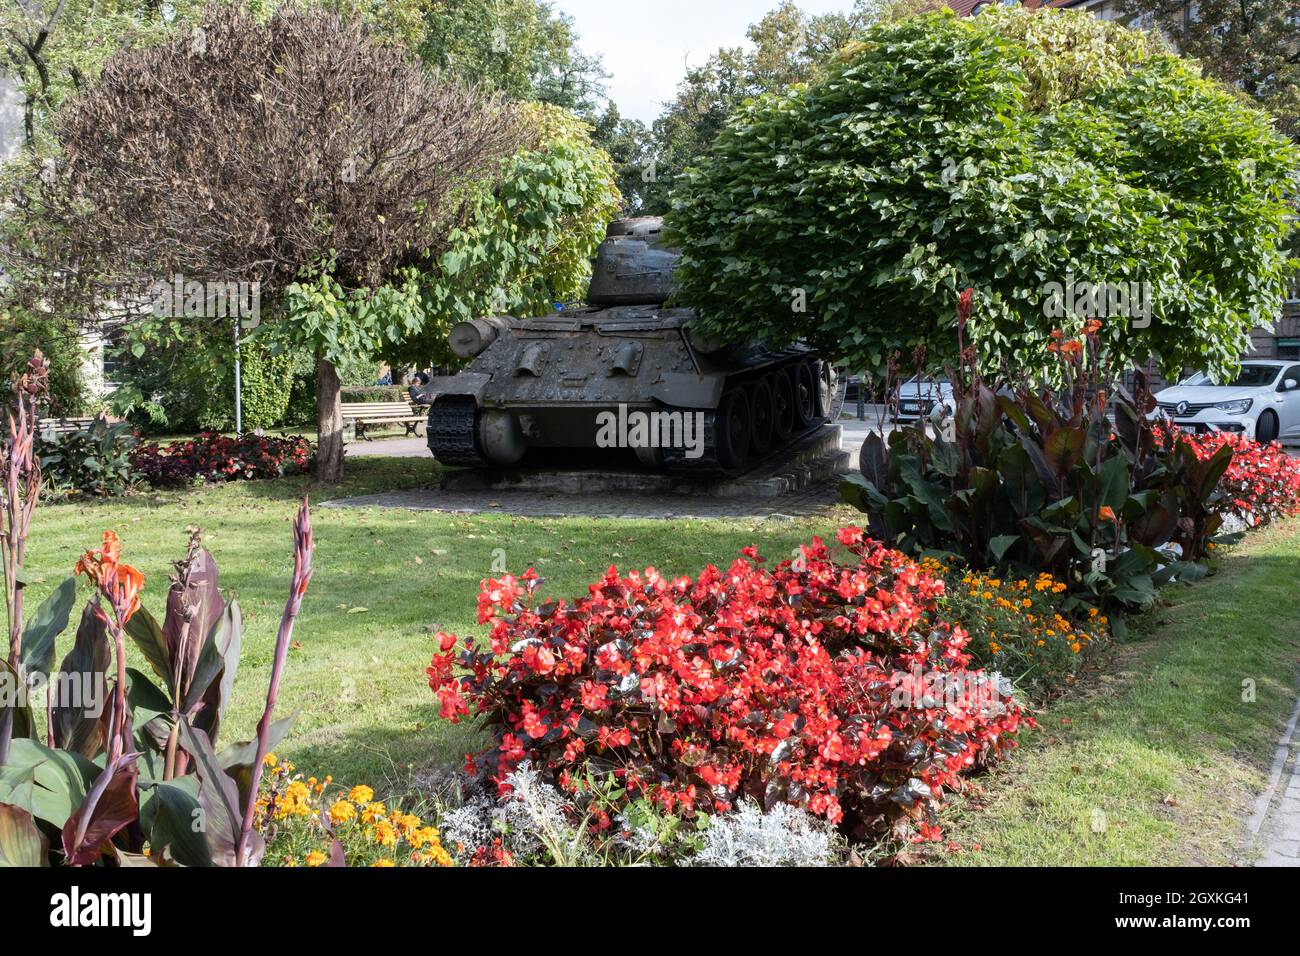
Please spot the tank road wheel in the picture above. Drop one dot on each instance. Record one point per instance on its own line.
(783, 398)
(805, 394)
(732, 429)
(762, 412)
(827, 383)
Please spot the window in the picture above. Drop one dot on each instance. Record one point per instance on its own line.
(1250, 376)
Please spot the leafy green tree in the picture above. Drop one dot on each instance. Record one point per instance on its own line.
(22, 332)
(524, 49)
(524, 243)
(788, 46)
(627, 141)
(1251, 45)
(53, 48)
(1008, 152)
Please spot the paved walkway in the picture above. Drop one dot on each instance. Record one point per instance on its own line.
(389, 448)
(806, 502)
(1276, 822)
(854, 433)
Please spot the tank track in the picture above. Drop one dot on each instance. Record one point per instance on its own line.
(708, 465)
(452, 431)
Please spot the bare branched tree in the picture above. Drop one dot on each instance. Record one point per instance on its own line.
(260, 152)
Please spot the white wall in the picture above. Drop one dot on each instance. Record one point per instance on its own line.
(11, 118)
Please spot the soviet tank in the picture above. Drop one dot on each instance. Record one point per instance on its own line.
(625, 371)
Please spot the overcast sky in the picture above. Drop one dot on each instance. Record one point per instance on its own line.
(647, 44)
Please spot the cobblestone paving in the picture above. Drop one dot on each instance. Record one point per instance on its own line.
(806, 502)
(1277, 817)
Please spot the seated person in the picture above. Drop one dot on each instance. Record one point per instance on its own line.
(418, 386)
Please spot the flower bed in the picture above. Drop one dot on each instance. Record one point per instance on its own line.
(214, 457)
(1019, 628)
(1262, 482)
(833, 686)
(313, 822)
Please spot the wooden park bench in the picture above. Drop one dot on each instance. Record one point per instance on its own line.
(362, 415)
(64, 426)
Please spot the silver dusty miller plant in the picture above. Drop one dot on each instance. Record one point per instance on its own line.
(783, 836)
(534, 823)
(530, 822)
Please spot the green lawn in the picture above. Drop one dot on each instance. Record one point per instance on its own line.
(1160, 752)
(383, 579)
(1159, 742)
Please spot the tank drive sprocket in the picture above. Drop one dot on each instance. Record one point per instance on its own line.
(453, 431)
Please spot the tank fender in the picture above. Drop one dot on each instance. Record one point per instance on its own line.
(688, 391)
(466, 383)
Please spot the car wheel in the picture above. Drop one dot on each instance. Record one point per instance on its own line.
(1266, 427)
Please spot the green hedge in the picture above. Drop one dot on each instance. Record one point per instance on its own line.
(266, 382)
(374, 393)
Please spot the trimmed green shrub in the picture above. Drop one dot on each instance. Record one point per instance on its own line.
(375, 393)
(93, 462)
(22, 333)
(189, 386)
(266, 383)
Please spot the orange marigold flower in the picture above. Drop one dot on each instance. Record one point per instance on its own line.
(342, 812)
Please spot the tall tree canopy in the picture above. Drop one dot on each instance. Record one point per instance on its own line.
(53, 48)
(1007, 152)
(786, 46)
(262, 152)
(524, 49)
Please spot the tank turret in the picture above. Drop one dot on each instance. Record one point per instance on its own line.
(632, 267)
(623, 372)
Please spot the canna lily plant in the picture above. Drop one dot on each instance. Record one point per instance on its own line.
(1074, 479)
(21, 473)
(125, 768)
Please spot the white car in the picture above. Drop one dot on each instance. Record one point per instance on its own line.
(1262, 402)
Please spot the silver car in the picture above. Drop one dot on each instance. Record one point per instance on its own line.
(918, 397)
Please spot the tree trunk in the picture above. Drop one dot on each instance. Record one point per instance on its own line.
(329, 423)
